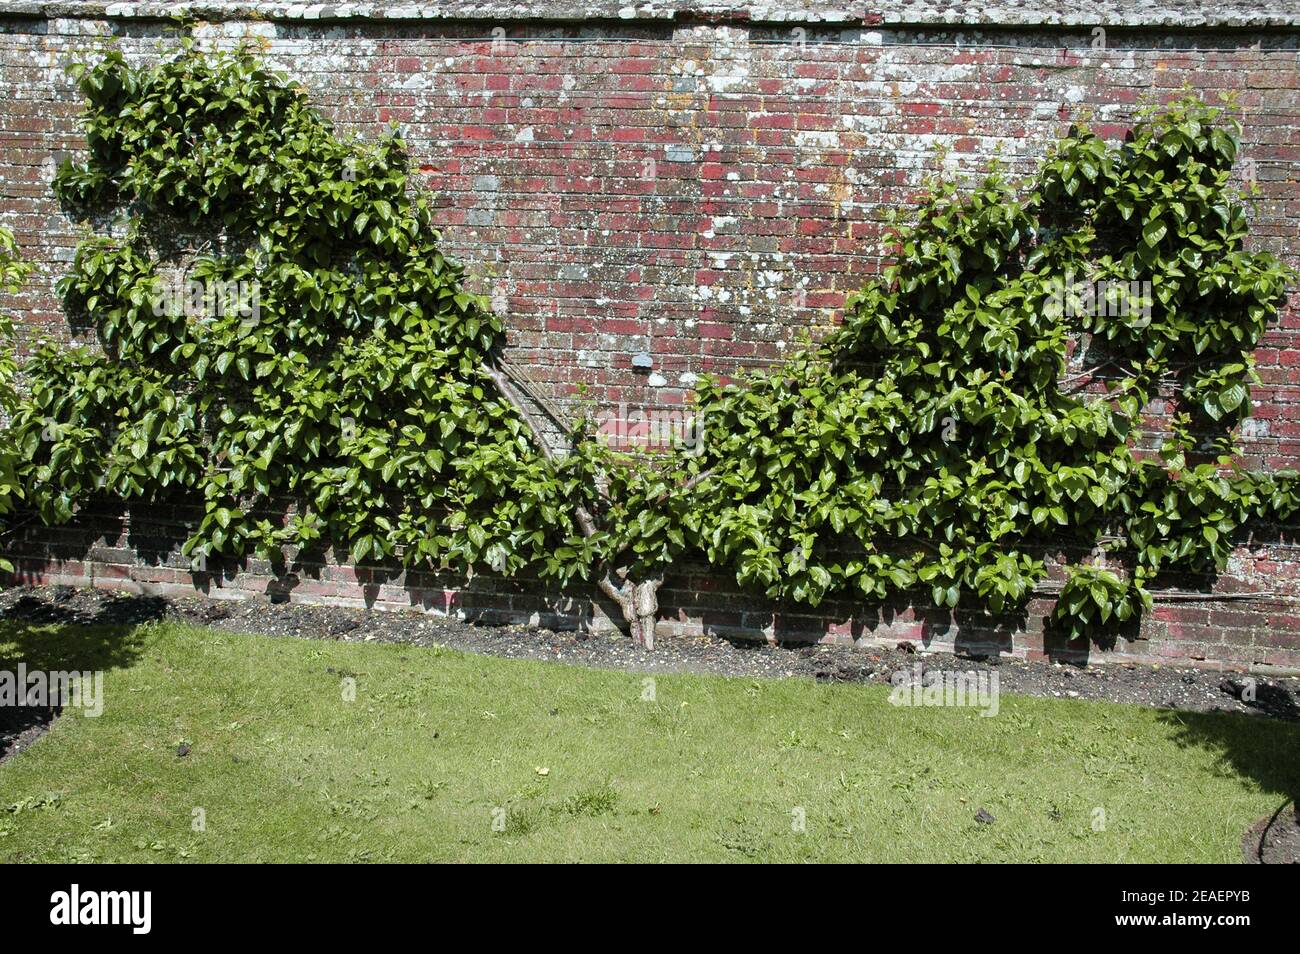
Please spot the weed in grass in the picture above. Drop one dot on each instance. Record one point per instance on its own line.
(427, 789)
(592, 803)
(522, 820)
(737, 834)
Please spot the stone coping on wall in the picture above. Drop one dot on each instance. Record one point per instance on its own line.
(1180, 14)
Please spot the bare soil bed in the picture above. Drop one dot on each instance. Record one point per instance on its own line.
(20, 726)
(1197, 690)
(1274, 839)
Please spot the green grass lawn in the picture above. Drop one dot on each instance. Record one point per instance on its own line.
(575, 765)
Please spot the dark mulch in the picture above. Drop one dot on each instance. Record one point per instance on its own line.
(1274, 839)
(1197, 690)
(20, 726)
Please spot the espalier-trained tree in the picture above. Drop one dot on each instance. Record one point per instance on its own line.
(318, 358)
(332, 383)
(930, 443)
(13, 273)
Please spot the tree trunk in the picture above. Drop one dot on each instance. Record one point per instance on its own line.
(639, 602)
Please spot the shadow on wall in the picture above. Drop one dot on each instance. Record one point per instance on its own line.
(138, 547)
(971, 632)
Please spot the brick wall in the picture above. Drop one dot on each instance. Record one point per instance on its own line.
(703, 184)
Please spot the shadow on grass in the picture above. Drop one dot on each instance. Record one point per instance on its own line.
(45, 637)
(1262, 749)
(75, 648)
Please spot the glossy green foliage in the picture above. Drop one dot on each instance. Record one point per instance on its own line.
(13, 273)
(933, 445)
(325, 386)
